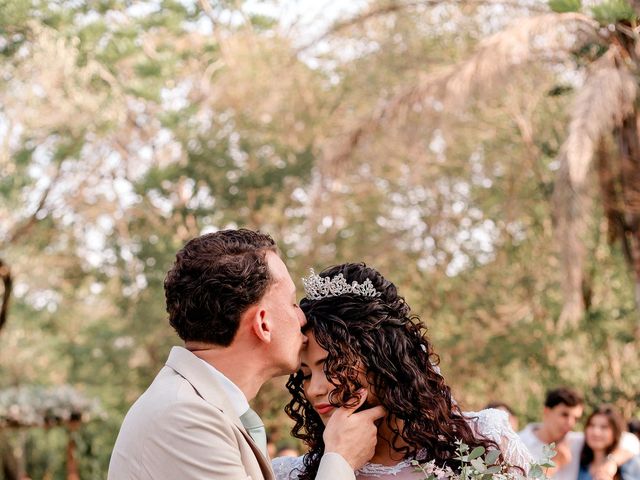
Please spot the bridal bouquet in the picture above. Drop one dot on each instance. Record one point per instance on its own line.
(478, 464)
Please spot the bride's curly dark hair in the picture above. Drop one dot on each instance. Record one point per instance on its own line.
(378, 335)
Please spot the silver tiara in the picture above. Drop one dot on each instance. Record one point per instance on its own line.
(317, 287)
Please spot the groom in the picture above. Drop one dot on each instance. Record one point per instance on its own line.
(231, 300)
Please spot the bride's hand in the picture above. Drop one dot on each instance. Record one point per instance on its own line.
(353, 434)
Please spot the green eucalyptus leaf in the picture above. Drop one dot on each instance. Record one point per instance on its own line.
(494, 469)
(536, 471)
(613, 11)
(563, 6)
(492, 457)
(476, 452)
(478, 464)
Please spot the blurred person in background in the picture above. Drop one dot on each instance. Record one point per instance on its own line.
(287, 452)
(563, 408)
(272, 449)
(634, 427)
(602, 436)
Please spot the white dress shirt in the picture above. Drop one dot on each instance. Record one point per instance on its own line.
(238, 400)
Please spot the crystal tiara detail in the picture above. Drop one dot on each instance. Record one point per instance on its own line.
(317, 287)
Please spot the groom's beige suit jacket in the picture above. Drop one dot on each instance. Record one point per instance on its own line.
(184, 428)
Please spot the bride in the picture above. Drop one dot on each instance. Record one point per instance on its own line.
(362, 335)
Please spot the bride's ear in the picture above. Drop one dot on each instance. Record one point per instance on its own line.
(261, 324)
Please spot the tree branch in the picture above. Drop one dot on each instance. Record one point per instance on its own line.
(5, 276)
(28, 224)
(494, 58)
(396, 7)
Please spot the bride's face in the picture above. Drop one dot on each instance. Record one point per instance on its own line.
(315, 383)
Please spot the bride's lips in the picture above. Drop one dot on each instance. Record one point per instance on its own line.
(323, 408)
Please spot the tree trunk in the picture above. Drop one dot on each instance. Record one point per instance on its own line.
(629, 148)
(9, 469)
(9, 466)
(72, 462)
(570, 206)
(5, 276)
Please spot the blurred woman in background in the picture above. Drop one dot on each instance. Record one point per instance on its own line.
(602, 434)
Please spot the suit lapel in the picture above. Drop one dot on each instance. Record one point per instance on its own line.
(187, 365)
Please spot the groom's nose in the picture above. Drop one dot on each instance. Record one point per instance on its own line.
(303, 319)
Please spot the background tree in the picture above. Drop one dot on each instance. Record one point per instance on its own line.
(126, 129)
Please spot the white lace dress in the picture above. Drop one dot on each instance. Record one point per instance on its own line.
(492, 423)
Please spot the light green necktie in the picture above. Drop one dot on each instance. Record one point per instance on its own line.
(255, 428)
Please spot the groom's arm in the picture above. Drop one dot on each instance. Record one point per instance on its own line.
(334, 467)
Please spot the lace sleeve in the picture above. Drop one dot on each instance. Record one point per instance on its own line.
(494, 425)
(286, 468)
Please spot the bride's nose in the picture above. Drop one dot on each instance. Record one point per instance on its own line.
(317, 386)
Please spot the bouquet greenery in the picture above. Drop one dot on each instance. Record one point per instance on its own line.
(479, 464)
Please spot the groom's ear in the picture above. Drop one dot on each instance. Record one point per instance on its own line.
(261, 323)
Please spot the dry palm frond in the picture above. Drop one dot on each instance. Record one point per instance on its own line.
(606, 98)
(548, 37)
(395, 7)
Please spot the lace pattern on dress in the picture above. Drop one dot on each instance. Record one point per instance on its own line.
(286, 468)
(377, 470)
(494, 424)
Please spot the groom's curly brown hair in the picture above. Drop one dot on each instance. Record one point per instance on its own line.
(213, 281)
(378, 335)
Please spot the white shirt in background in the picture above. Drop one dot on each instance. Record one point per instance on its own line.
(575, 440)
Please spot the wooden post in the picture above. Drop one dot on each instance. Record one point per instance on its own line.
(72, 462)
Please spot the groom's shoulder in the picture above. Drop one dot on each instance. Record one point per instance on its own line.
(169, 390)
(169, 412)
(172, 401)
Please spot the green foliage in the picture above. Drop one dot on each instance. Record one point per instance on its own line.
(15, 13)
(612, 11)
(563, 6)
(172, 133)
